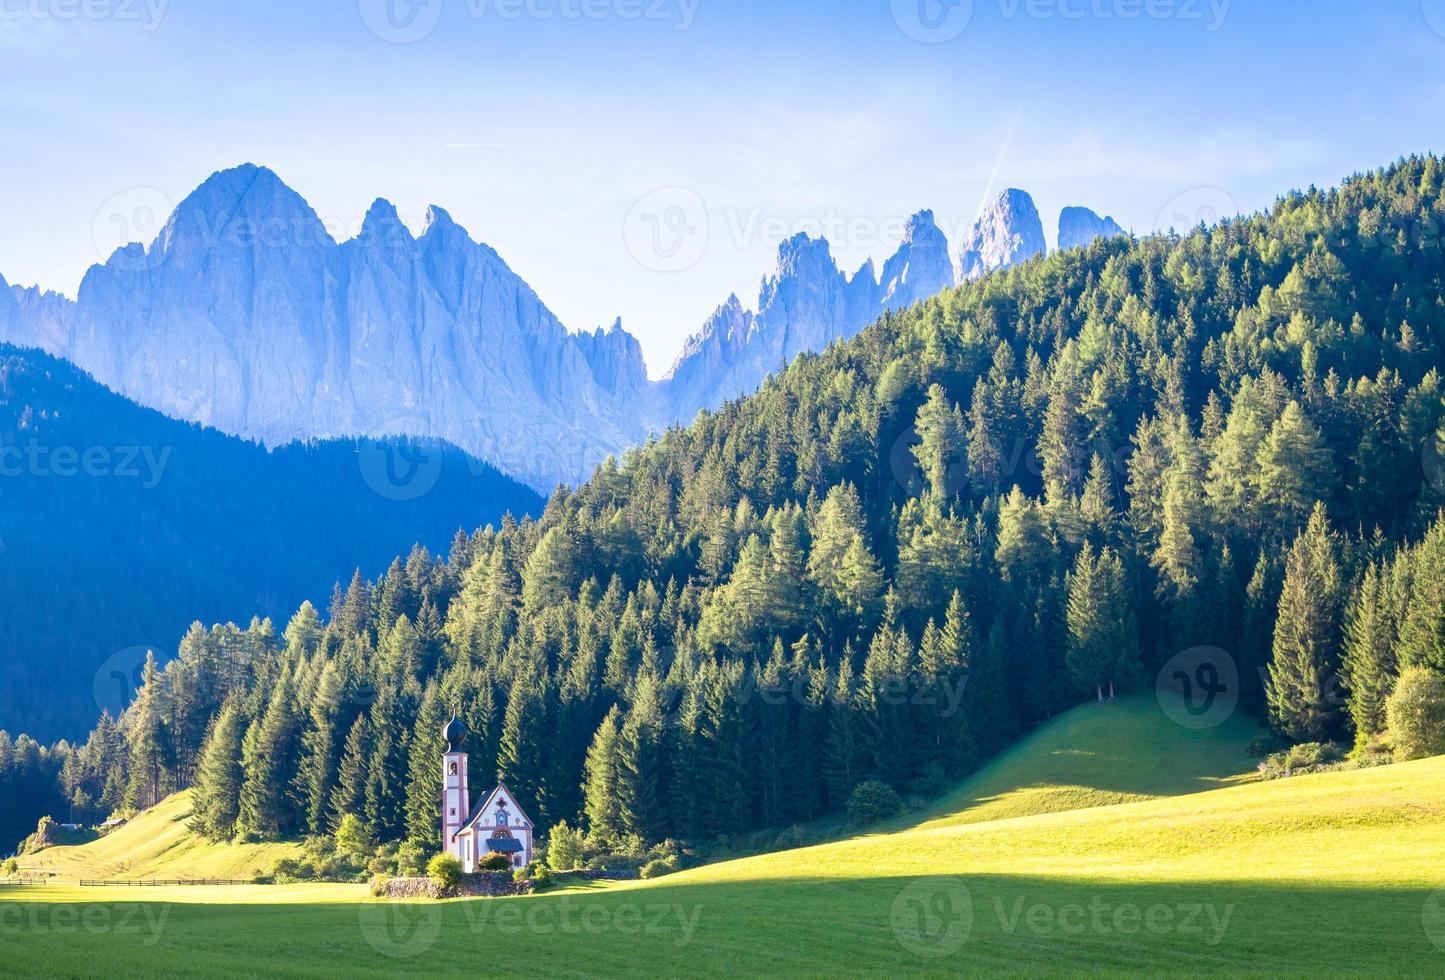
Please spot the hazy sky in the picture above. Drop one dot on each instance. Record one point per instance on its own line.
(642, 158)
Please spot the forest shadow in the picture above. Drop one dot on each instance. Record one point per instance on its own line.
(896, 925)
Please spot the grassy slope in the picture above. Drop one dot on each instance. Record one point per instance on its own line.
(1330, 873)
(1098, 755)
(157, 844)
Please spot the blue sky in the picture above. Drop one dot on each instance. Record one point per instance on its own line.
(642, 158)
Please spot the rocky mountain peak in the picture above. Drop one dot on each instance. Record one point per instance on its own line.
(1080, 226)
(920, 268)
(384, 224)
(1008, 231)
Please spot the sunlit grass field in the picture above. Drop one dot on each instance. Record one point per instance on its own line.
(1334, 873)
(157, 844)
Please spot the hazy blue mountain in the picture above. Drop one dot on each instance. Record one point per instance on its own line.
(1080, 226)
(245, 315)
(806, 304)
(121, 526)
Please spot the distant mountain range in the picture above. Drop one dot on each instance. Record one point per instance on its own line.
(245, 315)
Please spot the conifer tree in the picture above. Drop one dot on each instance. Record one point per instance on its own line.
(1369, 659)
(424, 770)
(1103, 635)
(350, 797)
(1295, 469)
(215, 798)
(149, 740)
(602, 792)
(940, 449)
(1301, 694)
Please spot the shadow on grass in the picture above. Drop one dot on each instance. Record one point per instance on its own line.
(882, 925)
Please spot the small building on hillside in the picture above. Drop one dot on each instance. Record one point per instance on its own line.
(496, 824)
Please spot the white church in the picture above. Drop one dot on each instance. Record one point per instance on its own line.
(496, 825)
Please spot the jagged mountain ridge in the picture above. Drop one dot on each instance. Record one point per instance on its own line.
(244, 314)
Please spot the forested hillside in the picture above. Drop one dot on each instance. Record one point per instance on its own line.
(120, 526)
(1045, 484)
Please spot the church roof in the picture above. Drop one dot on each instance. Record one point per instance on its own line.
(504, 845)
(485, 801)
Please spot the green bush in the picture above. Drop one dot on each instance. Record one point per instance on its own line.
(378, 885)
(872, 802)
(445, 871)
(542, 878)
(11, 867)
(1415, 714)
(354, 838)
(288, 870)
(494, 862)
(564, 848)
(658, 867)
(410, 859)
(1300, 759)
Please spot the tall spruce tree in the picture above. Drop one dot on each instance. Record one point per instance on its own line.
(216, 796)
(1304, 673)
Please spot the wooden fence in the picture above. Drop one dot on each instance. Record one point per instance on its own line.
(84, 883)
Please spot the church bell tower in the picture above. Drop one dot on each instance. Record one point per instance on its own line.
(454, 788)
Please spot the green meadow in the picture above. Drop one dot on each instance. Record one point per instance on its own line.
(1112, 841)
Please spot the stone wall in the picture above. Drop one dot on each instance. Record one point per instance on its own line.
(487, 884)
(410, 888)
(492, 883)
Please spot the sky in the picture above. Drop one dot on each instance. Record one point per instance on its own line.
(642, 159)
